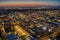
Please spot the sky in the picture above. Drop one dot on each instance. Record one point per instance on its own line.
(29, 2)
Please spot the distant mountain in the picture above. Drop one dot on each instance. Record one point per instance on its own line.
(40, 7)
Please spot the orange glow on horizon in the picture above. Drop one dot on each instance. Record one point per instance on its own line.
(12, 4)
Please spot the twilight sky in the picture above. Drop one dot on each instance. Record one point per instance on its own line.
(29, 2)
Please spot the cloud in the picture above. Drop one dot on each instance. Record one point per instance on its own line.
(23, 0)
(29, 2)
(54, 1)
